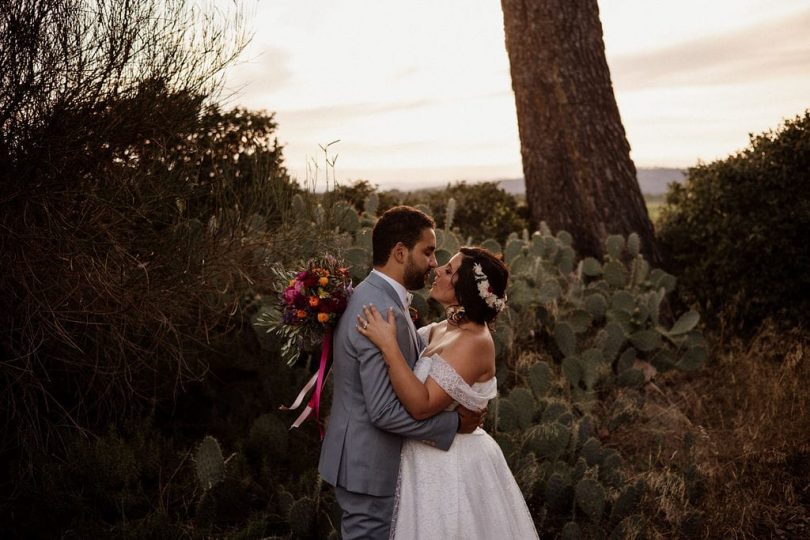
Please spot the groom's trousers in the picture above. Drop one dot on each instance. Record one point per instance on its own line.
(364, 516)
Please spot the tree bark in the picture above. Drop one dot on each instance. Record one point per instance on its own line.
(576, 158)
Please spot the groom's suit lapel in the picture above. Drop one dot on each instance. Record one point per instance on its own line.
(380, 283)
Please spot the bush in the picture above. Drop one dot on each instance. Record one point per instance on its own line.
(134, 209)
(735, 231)
(358, 191)
(483, 210)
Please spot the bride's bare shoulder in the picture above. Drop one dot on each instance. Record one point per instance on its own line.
(472, 354)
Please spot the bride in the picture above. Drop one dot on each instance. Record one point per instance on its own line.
(467, 492)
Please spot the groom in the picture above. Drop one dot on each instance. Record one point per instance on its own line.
(367, 424)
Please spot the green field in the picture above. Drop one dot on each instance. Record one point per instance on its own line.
(654, 205)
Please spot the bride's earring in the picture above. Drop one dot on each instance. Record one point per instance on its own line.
(455, 314)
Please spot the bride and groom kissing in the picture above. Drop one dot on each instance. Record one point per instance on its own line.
(403, 445)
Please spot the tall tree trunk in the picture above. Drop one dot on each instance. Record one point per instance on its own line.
(576, 158)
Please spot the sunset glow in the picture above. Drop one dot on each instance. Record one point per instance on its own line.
(419, 92)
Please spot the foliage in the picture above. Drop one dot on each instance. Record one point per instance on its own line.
(577, 346)
(601, 336)
(141, 228)
(736, 229)
(358, 191)
(209, 463)
(717, 459)
(483, 210)
(601, 326)
(62, 56)
(134, 211)
(141, 247)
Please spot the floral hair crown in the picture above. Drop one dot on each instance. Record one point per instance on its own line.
(485, 290)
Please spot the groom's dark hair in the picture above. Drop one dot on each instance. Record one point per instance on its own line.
(398, 224)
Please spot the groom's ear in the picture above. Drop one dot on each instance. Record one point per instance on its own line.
(400, 252)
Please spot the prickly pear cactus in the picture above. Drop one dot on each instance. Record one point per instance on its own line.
(604, 330)
(372, 202)
(450, 214)
(590, 497)
(602, 318)
(209, 463)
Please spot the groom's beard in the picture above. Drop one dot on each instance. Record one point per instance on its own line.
(414, 277)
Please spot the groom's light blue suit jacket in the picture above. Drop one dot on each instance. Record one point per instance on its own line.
(367, 423)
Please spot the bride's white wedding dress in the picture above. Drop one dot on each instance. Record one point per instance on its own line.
(467, 492)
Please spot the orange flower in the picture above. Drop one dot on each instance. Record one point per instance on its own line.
(323, 282)
(301, 314)
(314, 301)
(323, 317)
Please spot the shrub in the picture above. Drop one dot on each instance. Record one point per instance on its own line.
(735, 231)
(134, 210)
(482, 211)
(358, 191)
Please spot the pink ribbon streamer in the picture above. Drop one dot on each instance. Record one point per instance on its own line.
(317, 380)
(300, 398)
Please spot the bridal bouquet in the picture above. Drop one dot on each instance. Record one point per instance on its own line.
(310, 302)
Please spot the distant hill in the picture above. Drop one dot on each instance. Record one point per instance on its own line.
(652, 180)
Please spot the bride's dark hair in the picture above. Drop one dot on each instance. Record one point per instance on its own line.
(475, 307)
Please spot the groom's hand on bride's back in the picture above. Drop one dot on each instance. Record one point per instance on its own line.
(469, 420)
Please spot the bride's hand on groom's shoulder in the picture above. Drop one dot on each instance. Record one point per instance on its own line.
(382, 332)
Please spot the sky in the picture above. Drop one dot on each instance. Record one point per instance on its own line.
(418, 93)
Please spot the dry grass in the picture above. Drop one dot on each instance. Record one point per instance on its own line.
(726, 451)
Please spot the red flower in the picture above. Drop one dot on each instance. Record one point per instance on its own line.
(311, 279)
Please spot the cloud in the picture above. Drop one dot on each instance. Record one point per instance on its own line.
(336, 114)
(252, 79)
(775, 49)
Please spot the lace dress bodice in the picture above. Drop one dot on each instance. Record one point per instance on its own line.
(473, 397)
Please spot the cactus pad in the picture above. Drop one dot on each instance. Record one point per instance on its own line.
(209, 463)
(590, 497)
